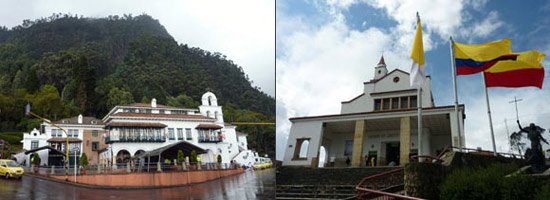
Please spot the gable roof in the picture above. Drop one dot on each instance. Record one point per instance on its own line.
(376, 80)
(85, 121)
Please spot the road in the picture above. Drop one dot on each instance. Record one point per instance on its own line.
(249, 185)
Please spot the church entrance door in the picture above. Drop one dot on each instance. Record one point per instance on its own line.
(392, 153)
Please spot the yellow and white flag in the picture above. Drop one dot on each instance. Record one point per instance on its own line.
(418, 74)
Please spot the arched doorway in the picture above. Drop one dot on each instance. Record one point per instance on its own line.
(323, 154)
(123, 156)
(138, 152)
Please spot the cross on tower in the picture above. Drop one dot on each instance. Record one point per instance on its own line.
(515, 101)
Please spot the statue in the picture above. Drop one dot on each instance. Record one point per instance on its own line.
(534, 155)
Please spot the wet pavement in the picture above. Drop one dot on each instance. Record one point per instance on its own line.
(249, 185)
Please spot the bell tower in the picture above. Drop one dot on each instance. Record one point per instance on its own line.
(380, 70)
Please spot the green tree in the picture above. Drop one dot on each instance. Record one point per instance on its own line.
(35, 159)
(193, 157)
(18, 80)
(181, 157)
(182, 100)
(84, 160)
(219, 158)
(119, 97)
(47, 102)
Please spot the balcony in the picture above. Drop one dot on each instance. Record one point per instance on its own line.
(108, 139)
(209, 140)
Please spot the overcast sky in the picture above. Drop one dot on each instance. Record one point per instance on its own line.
(327, 49)
(244, 30)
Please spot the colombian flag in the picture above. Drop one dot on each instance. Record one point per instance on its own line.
(527, 70)
(475, 58)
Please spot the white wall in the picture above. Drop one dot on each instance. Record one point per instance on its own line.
(365, 103)
(312, 130)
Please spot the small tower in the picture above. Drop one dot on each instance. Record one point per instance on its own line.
(210, 107)
(154, 103)
(380, 70)
(80, 119)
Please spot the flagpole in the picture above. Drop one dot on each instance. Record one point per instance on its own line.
(489, 113)
(455, 93)
(419, 105)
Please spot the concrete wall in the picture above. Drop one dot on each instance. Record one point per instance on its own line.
(311, 130)
(148, 180)
(325, 176)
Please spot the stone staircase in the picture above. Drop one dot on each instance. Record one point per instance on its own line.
(315, 192)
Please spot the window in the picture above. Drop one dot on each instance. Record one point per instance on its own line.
(73, 132)
(348, 150)
(404, 102)
(180, 133)
(377, 104)
(54, 132)
(148, 111)
(395, 103)
(385, 104)
(95, 146)
(94, 133)
(34, 144)
(413, 102)
(161, 111)
(171, 133)
(188, 134)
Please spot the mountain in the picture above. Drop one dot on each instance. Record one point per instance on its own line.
(69, 64)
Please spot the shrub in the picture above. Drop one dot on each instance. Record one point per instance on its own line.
(193, 157)
(519, 187)
(35, 159)
(219, 158)
(476, 183)
(543, 193)
(181, 157)
(84, 160)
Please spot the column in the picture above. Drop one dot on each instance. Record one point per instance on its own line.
(404, 140)
(360, 127)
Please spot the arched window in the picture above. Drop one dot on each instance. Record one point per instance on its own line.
(209, 100)
(323, 154)
(216, 114)
(304, 148)
(208, 113)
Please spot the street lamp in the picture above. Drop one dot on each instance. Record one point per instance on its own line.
(28, 112)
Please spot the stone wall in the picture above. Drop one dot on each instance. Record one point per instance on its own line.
(151, 180)
(325, 176)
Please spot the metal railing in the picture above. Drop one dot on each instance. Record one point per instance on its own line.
(135, 139)
(382, 186)
(479, 151)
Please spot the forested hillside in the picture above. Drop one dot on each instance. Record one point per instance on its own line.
(67, 64)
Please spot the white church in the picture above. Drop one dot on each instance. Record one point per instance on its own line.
(378, 125)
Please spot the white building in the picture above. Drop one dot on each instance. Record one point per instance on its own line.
(380, 124)
(137, 128)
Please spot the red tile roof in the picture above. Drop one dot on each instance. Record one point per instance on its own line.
(147, 105)
(62, 139)
(132, 124)
(85, 121)
(382, 60)
(130, 114)
(208, 126)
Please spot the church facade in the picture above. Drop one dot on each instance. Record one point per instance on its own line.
(378, 127)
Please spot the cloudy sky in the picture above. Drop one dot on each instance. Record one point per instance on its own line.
(244, 30)
(326, 49)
